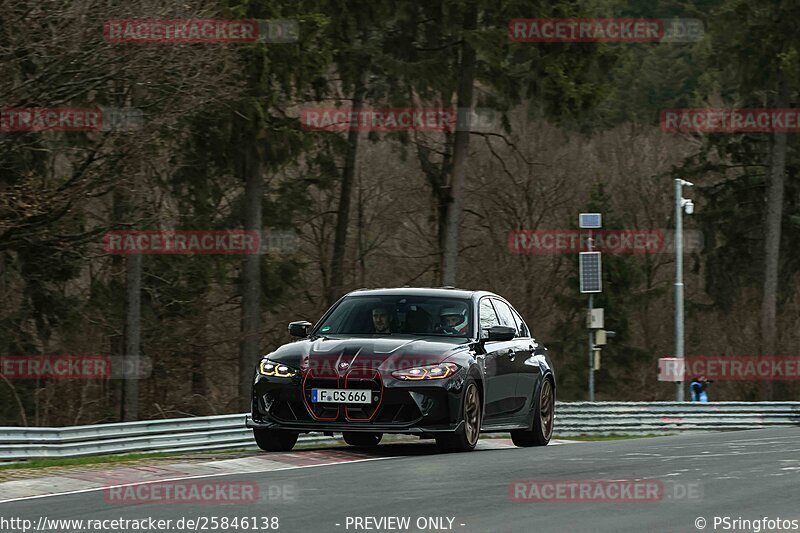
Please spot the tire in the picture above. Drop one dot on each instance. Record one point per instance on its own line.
(362, 440)
(275, 440)
(465, 439)
(543, 416)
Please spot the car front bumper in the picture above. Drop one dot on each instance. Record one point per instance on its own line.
(400, 406)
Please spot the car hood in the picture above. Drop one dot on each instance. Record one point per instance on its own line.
(338, 354)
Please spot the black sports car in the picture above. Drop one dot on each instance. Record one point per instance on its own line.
(436, 363)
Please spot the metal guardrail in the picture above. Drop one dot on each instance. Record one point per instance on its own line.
(640, 418)
(170, 435)
(227, 432)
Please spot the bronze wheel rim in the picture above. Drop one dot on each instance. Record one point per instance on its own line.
(472, 414)
(546, 410)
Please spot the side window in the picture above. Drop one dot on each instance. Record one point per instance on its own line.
(506, 317)
(488, 316)
(521, 327)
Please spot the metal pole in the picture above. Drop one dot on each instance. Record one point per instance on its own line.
(591, 355)
(591, 339)
(679, 283)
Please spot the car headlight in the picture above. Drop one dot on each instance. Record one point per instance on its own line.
(440, 371)
(278, 370)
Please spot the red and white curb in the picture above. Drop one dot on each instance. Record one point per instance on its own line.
(81, 479)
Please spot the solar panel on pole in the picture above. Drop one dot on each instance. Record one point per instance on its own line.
(590, 272)
(590, 220)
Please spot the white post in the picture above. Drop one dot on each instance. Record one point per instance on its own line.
(679, 281)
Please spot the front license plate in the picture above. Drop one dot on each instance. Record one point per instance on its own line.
(341, 396)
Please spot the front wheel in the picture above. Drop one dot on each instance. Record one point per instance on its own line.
(543, 416)
(465, 439)
(362, 440)
(275, 440)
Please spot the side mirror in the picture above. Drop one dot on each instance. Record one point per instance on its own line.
(501, 333)
(299, 328)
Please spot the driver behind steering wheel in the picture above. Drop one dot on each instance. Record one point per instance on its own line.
(453, 320)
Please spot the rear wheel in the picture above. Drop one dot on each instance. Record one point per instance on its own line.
(543, 417)
(465, 439)
(275, 440)
(362, 440)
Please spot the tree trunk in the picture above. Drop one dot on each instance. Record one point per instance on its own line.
(460, 149)
(129, 398)
(445, 199)
(437, 176)
(133, 331)
(362, 249)
(343, 213)
(117, 284)
(772, 239)
(249, 349)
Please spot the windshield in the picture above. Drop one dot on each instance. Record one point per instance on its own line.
(402, 315)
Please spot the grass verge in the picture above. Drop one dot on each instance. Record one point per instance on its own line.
(73, 461)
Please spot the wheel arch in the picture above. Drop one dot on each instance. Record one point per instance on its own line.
(546, 374)
(550, 375)
(477, 375)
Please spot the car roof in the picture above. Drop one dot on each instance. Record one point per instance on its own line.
(443, 292)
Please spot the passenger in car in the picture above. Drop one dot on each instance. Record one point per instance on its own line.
(381, 320)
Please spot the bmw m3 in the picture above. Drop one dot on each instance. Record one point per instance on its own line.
(442, 363)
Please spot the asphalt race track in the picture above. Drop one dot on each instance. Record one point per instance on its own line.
(744, 474)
